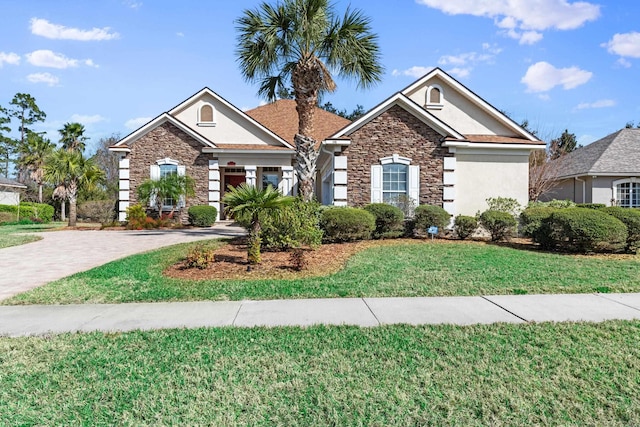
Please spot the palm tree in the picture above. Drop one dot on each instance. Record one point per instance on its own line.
(73, 171)
(303, 43)
(72, 137)
(249, 204)
(32, 158)
(170, 188)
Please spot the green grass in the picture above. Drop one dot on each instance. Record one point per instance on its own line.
(8, 236)
(521, 375)
(410, 269)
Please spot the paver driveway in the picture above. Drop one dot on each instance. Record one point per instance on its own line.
(61, 253)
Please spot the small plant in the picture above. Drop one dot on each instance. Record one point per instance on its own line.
(296, 225)
(203, 215)
(199, 257)
(298, 259)
(465, 226)
(389, 220)
(504, 204)
(500, 225)
(137, 217)
(345, 224)
(558, 204)
(406, 204)
(430, 215)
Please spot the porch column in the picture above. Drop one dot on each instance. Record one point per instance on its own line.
(286, 186)
(340, 181)
(449, 182)
(123, 194)
(214, 185)
(250, 175)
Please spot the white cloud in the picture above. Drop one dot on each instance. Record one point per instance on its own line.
(416, 71)
(87, 120)
(90, 63)
(132, 4)
(47, 78)
(623, 63)
(625, 45)
(180, 34)
(542, 77)
(464, 63)
(44, 28)
(602, 103)
(460, 72)
(523, 20)
(50, 59)
(9, 58)
(137, 122)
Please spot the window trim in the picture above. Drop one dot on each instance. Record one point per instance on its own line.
(615, 187)
(434, 105)
(413, 178)
(211, 123)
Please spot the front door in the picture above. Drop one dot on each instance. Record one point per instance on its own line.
(233, 180)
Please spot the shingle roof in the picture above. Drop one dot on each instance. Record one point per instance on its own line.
(281, 117)
(6, 182)
(615, 154)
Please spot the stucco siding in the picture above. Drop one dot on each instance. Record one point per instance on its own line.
(9, 198)
(481, 176)
(602, 189)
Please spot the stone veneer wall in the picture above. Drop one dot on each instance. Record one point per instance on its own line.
(396, 131)
(168, 141)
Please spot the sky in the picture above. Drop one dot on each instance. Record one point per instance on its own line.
(112, 65)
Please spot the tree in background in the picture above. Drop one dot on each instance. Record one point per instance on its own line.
(565, 143)
(32, 157)
(72, 137)
(73, 171)
(27, 112)
(108, 162)
(301, 44)
(354, 115)
(6, 144)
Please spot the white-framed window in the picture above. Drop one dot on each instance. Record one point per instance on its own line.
(165, 167)
(434, 98)
(627, 192)
(393, 178)
(270, 176)
(206, 115)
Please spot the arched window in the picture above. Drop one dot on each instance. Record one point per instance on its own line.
(206, 115)
(435, 98)
(627, 192)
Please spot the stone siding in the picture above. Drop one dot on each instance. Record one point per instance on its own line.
(168, 141)
(396, 131)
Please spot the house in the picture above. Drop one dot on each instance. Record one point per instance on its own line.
(606, 171)
(436, 142)
(10, 191)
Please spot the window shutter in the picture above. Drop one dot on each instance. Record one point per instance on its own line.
(154, 172)
(376, 183)
(182, 170)
(414, 183)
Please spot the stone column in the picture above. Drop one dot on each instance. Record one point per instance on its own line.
(123, 194)
(214, 185)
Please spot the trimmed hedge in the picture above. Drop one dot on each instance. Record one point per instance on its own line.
(102, 211)
(295, 225)
(389, 220)
(582, 230)
(591, 205)
(531, 219)
(345, 224)
(631, 219)
(429, 215)
(28, 210)
(202, 215)
(501, 225)
(465, 226)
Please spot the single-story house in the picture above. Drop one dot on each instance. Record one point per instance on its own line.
(435, 141)
(606, 171)
(10, 191)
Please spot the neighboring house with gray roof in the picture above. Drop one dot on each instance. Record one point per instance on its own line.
(605, 171)
(10, 191)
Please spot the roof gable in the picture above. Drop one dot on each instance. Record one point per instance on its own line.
(158, 121)
(470, 113)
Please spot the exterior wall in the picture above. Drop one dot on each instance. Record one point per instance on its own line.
(230, 127)
(564, 190)
(168, 141)
(597, 190)
(9, 198)
(395, 132)
(481, 176)
(468, 117)
(602, 189)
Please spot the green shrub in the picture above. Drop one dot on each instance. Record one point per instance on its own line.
(591, 205)
(7, 217)
(344, 224)
(531, 219)
(429, 215)
(504, 204)
(631, 219)
(28, 210)
(465, 226)
(101, 211)
(137, 217)
(295, 225)
(199, 257)
(389, 220)
(582, 230)
(203, 215)
(501, 225)
(558, 204)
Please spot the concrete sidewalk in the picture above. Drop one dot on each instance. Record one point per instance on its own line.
(37, 320)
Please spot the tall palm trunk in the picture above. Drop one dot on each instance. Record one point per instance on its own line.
(73, 198)
(254, 242)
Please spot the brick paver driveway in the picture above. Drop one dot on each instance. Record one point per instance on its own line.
(61, 253)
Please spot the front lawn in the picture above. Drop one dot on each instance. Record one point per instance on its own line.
(409, 268)
(9, 236)
(520, 375)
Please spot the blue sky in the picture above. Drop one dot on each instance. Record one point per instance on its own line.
(113, 64)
